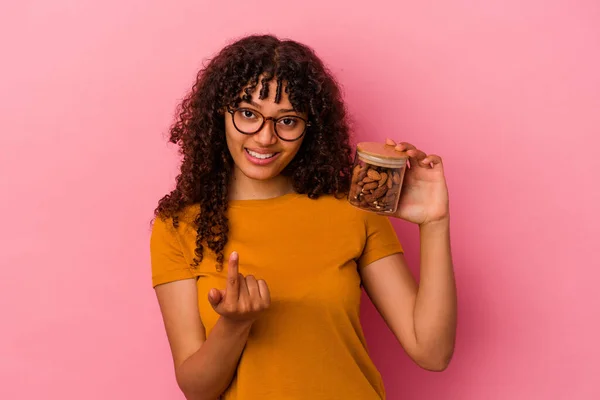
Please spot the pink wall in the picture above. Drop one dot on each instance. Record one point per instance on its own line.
(507, 91)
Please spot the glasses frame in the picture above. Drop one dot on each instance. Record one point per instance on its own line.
(232, 111)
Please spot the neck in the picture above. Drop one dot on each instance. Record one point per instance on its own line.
(244, 188)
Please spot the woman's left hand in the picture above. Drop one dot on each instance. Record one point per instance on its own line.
(424, 194)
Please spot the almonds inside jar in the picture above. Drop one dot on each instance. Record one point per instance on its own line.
(377, 179)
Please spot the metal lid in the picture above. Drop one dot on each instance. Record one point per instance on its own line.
(381, 150)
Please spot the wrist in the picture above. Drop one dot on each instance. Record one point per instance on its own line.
(235, 326)
(441, 223)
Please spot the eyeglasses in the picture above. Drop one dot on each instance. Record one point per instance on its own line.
(288, 128)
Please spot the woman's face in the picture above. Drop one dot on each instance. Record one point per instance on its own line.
(263, 155)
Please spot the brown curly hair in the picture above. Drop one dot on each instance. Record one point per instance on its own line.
(322, 164)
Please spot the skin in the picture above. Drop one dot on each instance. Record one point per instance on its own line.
(251, 181)
(421, 316)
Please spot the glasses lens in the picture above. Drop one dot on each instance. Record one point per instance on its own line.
(247, 121)
(290, 127)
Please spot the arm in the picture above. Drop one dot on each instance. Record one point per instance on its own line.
(204, 366)
(423, 317)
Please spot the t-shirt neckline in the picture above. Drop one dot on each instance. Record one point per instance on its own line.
(250, 203)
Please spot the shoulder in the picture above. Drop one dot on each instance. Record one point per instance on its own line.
(163, 227)
(333, 204)
(336, 210)
(169, 255)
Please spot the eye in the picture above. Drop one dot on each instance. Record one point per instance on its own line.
(288, 122)
(248, 114)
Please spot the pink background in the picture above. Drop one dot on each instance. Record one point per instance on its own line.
(508, 92)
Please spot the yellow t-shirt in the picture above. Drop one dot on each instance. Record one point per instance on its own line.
(309, 344)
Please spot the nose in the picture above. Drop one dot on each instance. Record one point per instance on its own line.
(266, 136)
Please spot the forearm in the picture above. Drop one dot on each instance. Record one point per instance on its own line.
(435, 304)
(207, 373)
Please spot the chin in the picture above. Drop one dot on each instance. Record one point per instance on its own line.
(259, 173)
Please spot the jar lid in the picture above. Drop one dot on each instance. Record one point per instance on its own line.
(381, 150)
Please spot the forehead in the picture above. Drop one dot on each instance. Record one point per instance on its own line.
(273, 91)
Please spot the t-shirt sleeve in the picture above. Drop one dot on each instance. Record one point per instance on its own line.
(166, 254)
(381, 240)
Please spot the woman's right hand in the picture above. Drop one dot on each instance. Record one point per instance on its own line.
(243, 299)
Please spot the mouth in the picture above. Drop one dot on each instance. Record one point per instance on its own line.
(260, 158)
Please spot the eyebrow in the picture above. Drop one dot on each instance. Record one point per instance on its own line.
(282, 110)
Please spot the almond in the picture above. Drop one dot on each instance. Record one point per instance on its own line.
(369, 198)
(380, 192)
(369, 186)
(383, 179)
(390, 197)
(374, 175)
(396, 178)
(390, 201)
(394, 190)
(356, 173)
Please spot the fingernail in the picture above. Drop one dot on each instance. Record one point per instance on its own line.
(390, 142)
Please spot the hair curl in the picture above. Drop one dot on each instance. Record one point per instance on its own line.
(322, 164)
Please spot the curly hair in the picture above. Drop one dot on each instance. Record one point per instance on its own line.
(322, 164)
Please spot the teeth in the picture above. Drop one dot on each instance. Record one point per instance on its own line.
(260, 156)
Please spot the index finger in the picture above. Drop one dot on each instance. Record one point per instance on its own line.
(233, 281)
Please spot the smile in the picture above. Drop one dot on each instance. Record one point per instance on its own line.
(261, 159)
(259, 155)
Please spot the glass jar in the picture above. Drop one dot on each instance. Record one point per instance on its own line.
(377, 177)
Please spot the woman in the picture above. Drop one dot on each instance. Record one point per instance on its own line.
(265, 171)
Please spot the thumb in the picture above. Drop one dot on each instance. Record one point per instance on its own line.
(214, 297)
